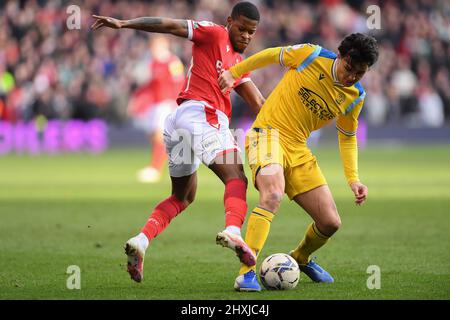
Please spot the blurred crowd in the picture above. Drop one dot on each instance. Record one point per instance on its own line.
(47, 69)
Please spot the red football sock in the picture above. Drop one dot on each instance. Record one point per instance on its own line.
(235, 202)
(159, 155)
(161, 216)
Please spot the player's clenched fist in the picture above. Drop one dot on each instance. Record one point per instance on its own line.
(226, 81)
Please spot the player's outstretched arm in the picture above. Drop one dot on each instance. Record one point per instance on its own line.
(177, 27)
(256, 61)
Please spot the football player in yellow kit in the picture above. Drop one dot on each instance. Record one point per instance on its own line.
(318, 87)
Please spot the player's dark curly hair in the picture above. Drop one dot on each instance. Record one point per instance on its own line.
(360, 48)
(246, 9)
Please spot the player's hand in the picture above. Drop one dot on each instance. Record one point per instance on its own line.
(360, 192)
(226, 81)
(105, 22)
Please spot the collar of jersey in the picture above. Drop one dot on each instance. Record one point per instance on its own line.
(333, 73)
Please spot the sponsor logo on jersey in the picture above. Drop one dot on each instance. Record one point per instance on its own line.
(315, 103)
(219, 66)
(203, 24)
(298, 46)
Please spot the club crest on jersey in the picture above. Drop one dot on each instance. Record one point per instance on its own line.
(228, 48)
(340, 98)
(315, 103)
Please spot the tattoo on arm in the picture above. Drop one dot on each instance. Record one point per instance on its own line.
(176, 27)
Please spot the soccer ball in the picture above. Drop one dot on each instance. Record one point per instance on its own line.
(279, 271)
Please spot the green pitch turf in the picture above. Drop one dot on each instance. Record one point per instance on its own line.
(58, 211)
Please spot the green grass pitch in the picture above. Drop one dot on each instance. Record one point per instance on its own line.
(57, 211)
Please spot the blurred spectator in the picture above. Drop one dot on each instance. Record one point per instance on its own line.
(403, 82)
(376, 105)
(46, 69)
(431, 108)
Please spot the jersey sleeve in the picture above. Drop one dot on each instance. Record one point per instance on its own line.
(244, 78)
(347, 123)
(203, 31)
(347, 126)
(348, 148)
(293, 56)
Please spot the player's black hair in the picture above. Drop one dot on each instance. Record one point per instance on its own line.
(360, 48)
(246, 9)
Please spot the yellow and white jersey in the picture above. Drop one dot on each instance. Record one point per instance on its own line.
(307, 98)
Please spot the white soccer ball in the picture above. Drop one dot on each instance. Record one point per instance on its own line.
(279, 271)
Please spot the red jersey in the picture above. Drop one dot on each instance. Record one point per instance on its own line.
(167, 78)
(212, 52)
(165, 83)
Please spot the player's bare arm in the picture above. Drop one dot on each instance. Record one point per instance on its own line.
(177, 27)
(251, 95)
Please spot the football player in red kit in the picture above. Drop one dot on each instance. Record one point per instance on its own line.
(153, 101)
(202, 121)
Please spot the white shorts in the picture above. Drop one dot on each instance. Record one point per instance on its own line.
(196, 132)
(154, 119)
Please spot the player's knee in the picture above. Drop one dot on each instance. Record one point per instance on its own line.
(243, 178)
(239, 174)
(190, 198)
(331, 225)
(230, 172)
(335, 224)
(186, 199)
(271, 199)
